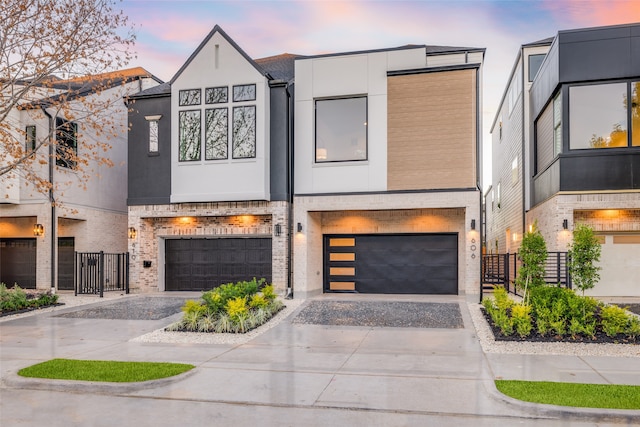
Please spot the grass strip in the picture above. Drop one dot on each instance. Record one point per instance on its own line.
(609, 396)
(103, 370)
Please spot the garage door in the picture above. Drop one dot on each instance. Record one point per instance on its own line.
(391, 263)
(203, 264)
(18, 262)
(620, 262)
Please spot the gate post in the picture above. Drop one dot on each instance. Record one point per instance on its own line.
(101, 274)
(126, 272)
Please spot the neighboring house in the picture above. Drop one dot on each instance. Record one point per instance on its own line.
(387, 171)
(582, 159)
(209, 172)
(87, 216)
(507, 197)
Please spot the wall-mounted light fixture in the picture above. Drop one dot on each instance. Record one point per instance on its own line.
(565, 224)
(132, 233)
(473, 224)
(530, 228)
(299, 227)
(277, 229)
(38, 230)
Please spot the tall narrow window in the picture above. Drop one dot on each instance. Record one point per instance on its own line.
(557, 124)
(153, 136)
(341, 130)
(535, 61)
(216, 134)
(514, 171)
(30, 138)
(244, 132)
(189, 134)
(66, 143)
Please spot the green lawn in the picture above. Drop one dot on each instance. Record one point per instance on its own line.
(609, 396)
(103, 370)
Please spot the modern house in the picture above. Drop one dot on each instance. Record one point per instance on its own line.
(386, 168)
(387, 171)
(210, 172)
(40, 230)
(581, 153)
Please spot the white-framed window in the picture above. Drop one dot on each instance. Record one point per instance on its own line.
(341, 129)
(30, 138)
(153, 132)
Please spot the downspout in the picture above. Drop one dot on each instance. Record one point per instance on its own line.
(478, 177)
(289, 294)
(51, 199)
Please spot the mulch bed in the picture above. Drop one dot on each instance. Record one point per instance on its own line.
(599, 338)
(27, 310)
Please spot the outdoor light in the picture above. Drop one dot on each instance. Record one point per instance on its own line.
(299, 227)
(38, 230)
(473, 224)
(277, 229)
(132, 233)
(565, 224)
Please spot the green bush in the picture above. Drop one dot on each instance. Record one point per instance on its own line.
(615, 320)
(15, 299)
(521, 319)
(232, 307)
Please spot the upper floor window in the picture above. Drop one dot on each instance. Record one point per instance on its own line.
(535, 61)
(244, 93)
(635, 114)
(514, 171)
(557, 124)
(341, 129)
(66, 143)
(216, 134)
(189, 97)
(598, 116)
(153, 132)
(244, 132)
(216, 95)
(30, 138)
(514, 90)
(189, 135)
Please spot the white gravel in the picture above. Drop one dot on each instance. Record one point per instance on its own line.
(490, 345)
(162, 336)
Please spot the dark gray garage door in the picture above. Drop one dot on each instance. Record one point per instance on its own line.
(391, 263)
(203, 264)
(18, 262)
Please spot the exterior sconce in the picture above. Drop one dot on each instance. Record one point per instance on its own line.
(473, 224)
(565, 224)
(530, 228)
(299, 227)
(38, 230)
(277, 229)
(132, 233)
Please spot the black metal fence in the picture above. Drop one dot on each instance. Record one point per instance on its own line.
(502, 270)
(97, 272)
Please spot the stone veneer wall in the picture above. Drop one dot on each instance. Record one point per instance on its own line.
(154, 223)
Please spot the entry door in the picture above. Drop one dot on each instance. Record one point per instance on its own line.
(18, 262)
(66, 248)
(391, 263)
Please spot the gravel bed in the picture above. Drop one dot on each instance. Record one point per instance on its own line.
(490, 345)
(162, 336)
(397, 314)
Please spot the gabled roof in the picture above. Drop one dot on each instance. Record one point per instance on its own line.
(78, 87)
(430, 50)
(543, 42)
(157, 91)
(219, 30)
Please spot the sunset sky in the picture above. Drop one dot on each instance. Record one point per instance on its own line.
(169, 31)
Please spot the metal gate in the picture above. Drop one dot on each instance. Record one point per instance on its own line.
(97, 272)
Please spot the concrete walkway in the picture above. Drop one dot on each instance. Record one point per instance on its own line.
(292, 375)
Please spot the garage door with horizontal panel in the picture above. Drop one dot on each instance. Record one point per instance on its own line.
(391, 263)
(18, 262)
(203, 264)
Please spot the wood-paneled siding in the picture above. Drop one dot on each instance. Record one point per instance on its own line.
(431, 130)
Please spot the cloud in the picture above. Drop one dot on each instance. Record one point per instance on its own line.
(586, 13)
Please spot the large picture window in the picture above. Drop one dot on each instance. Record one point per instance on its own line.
(635, 114)
(598, 116)
(216, 134)
(189, 134)
(66, 143)
(244, 132)
(341, 130)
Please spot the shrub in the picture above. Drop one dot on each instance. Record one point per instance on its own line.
(236, 308)
(615, 320)
(258, 301)
(521, 319)
(583, 253)
(268, 293)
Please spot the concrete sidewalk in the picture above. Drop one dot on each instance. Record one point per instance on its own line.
(294, 374)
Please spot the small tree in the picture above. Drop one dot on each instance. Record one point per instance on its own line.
(583, 254)
(533, 254)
